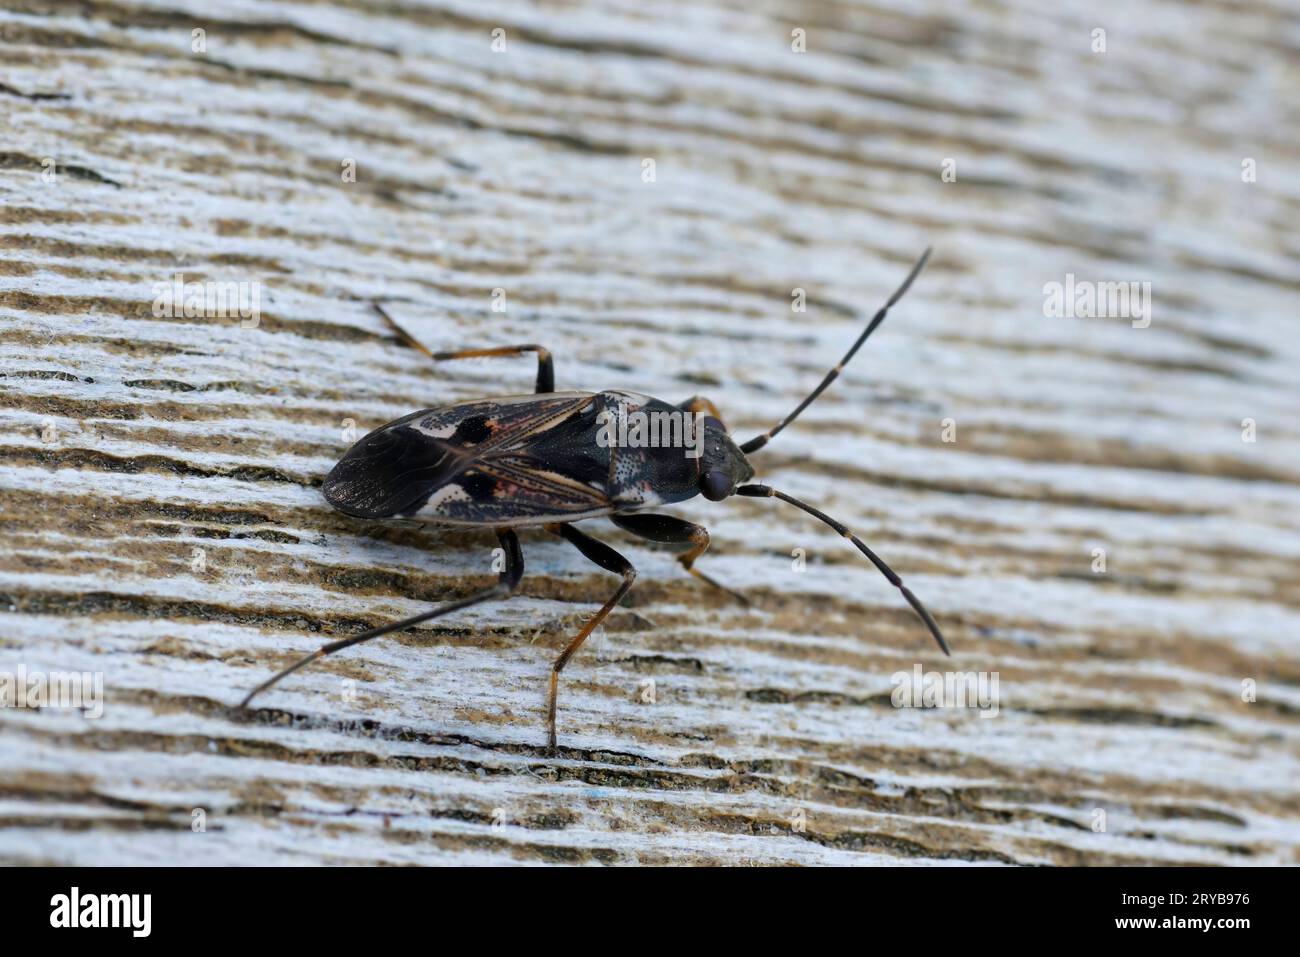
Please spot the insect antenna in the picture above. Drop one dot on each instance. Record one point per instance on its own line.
(766, 491)
(758, 441)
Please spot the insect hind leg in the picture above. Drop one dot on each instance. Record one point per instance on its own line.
(608, 559)
(545, 364)
(507, 582)
(674, 531)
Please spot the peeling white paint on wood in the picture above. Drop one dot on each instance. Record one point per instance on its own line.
(128, 441)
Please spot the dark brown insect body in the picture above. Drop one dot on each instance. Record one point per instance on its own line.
(552, 459)
(525, 460)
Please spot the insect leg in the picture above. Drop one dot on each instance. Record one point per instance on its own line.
(545, 364)
(608, 559)
(669, 530)
(698, 403)
(508, 582)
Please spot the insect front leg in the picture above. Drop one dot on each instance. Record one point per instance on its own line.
(669, 530)
(507, 582)
(698, 403)
(545, 364)
(611, 561)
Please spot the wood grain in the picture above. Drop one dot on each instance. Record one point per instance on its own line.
(160, 516)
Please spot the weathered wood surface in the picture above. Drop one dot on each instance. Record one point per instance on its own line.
(128, 441)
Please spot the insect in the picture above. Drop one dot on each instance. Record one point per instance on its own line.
(537, 460)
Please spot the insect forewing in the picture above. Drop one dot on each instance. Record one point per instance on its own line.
(458, 463)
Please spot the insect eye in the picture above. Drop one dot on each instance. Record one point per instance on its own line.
(715, 485)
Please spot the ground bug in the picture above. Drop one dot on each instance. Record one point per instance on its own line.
(537, 459)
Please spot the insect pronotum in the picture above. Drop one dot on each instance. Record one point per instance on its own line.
(529, 460)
